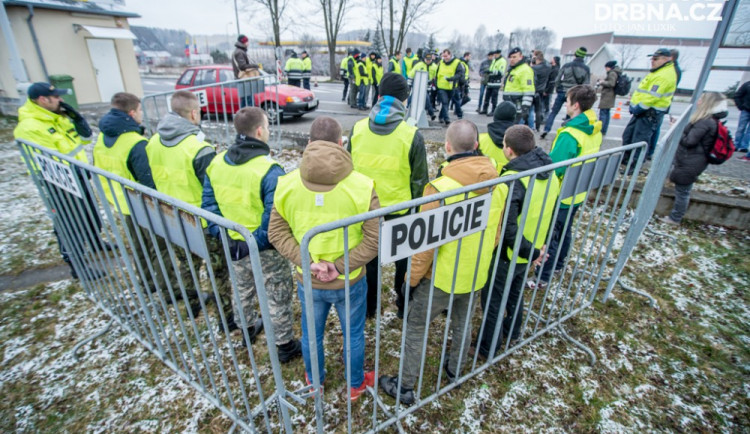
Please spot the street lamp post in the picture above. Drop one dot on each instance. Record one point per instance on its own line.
(510, 42)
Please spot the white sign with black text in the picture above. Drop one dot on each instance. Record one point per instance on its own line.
(57, 173)
(411, 234)
(202, 97)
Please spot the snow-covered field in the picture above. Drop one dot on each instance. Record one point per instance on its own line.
(683, 366)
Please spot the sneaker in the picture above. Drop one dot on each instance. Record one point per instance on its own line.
(253, 331)
(543, 135)
(289, 351)
(668, 220)
(745, 158)
(533, 284)
(89, 273)
(368, 382)
(390, 386)
(450, 375)
(741, 150)
(432, 117)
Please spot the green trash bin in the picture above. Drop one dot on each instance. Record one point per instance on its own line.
(64, 81)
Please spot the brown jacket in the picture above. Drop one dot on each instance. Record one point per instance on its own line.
(325, 164)
(240, 60)
(607, 100)
(467, 170)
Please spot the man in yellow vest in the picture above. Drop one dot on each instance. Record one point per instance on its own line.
(650, 100)
(523, 154)
(450, 72)
(294, 70)
(179, 157)
(362, 79)
(392, 153)
(519, 85)
(240, 185)
(491, 142)
(408, 62)
(579, 136)
(458, 276)
(121, 149)
(377, 75)
(306, 69)
(344, 73)
(46, 120)
(352, 66)
(394, 64)
(326, 188)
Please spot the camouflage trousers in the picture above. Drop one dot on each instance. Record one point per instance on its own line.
(279, 290)
(216, 263)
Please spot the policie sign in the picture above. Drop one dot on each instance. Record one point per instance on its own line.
(57, 173)
(411, 234)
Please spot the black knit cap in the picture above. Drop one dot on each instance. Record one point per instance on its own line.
(394, 85)
(506, 111)
(610, 64)
(242, 38)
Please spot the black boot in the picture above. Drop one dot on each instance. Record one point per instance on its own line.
(253, 331)
(289, 351)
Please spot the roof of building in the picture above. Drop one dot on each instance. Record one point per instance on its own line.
(635, 58)
(110, 8)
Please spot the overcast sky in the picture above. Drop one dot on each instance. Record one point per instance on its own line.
(566, 18)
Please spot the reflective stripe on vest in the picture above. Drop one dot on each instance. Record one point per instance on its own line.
(444, 71)
(539, 214)
(587, 145)
(479, 244)
(172, 168)
(293, 68)
(304, 209)
(656, 89)
(115, 160)
(385, 159)
(490, 149)
(520, 81)
(237, 190)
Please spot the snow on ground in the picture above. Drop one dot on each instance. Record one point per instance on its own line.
(681, 367)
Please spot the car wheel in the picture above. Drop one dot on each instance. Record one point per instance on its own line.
(272, 111)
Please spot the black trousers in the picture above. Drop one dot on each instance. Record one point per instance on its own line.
(511, 321)
(639, 129)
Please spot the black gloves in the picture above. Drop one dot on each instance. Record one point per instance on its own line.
(79, 122)
(238, 249)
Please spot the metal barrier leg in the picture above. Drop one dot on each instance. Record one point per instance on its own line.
(652, 300)
(91, 338)
(582, 347)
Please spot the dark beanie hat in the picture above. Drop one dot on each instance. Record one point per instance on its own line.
(242, 38)
(611, 64)
(394, 85)
(506, 111)
(581, 52)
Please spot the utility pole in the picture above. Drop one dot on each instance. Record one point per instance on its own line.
(237, 17)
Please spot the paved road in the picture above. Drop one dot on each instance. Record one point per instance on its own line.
(329, 95)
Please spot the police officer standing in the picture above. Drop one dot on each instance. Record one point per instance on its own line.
(650, 100)
(294, 70)
(391, 152)
(450, 73)
(306, 70)
(45, 119)
(239, 185)
(519, 85)
(344, 73)
(494, 82)
(484, 74)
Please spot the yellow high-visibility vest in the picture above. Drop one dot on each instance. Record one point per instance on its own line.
(304, 209)
(115, 160)
(384, 159)
(444, 71)
(479, 244)
(237, 190)
(488, 148)
(587, 145)
(656, 89)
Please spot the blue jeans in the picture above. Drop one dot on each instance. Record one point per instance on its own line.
(559, 101)
(559, 241)
(742, 136)
(681, 201)
(481, 95)
(655, 135)
(322, 301)
(362, 97)
(604, 117)
(445, 99)
(532, 112)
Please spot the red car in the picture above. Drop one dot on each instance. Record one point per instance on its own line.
(277, 100)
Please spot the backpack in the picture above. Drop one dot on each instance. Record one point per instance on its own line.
(622, 86)
(723, 147)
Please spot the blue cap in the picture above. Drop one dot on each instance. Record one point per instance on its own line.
(45, 89)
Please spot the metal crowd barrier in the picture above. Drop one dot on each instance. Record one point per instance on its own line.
(140, 269)
(162, 254)
(566, 295)
(219, 101)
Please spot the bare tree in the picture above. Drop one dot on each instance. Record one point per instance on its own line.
(541, 38)
(401, 16)
(275, 9)
(479, 42)
(334, 12)
(626, 54)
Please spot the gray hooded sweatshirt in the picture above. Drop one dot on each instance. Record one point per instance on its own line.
(173, 129)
